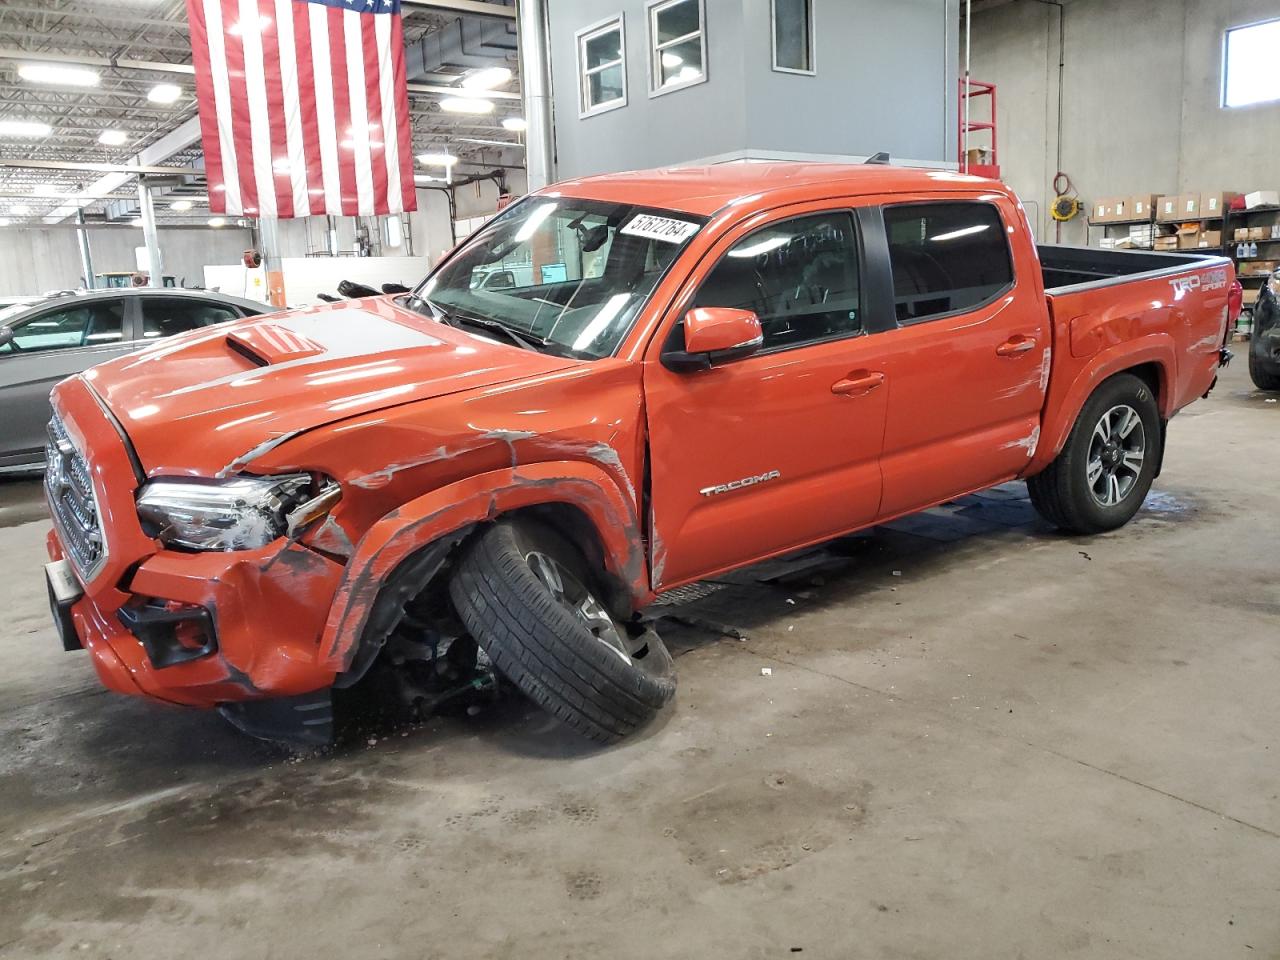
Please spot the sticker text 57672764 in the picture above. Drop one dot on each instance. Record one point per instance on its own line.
(666, 229)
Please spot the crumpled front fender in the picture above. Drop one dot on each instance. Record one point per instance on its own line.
(435, 515)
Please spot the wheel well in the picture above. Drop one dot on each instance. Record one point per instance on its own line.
(1152, 374)
(578, 528)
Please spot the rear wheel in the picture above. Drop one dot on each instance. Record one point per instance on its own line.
(1104, 471)
(527, 596)
(1265, 376)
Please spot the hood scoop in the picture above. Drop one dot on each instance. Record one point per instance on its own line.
(268, 343)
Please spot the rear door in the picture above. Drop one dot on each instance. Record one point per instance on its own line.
(968, 364)
(772, 451)
(167, 316)
(50, 345)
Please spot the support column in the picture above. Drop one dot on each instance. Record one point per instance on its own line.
(269, 239)
(331, 235)
(155, 263)
(536, 83)
(86, 258)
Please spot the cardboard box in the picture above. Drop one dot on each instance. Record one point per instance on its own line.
(1188, 205)
(1167, 209)
(1142, 206)
(1215, 204)
(1258, 268)
(1187, 229)
(979, 156)
(1166, 243)
(1261, 198)
(1189, 241)
(1251, 295)
(1241, 234)
(1211, 238)
(1098, 213)
(1259, 233)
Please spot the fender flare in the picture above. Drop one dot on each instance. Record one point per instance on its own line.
(446, 511)
(1158, 349)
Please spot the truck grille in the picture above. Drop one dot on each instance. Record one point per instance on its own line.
(72, 501)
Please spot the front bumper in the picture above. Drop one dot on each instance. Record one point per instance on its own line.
(265, 609)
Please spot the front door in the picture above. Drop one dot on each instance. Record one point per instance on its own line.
(968, 365)
(52, 345)
(780, 449)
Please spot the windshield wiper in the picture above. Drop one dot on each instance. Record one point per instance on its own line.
(528, 341)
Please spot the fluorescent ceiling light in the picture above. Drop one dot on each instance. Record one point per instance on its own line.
(217, 221)
(486, 79)
(251, 24)
(24, 128)
(437, 159)
(181, 206)
(164, 93)
(491, 143)
(58, 74)
(763, 246)
(514, 123)
(962, 232)
(466, 105)
(112, 138)
(20, 210)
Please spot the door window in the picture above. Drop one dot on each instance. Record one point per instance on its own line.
(947, 258)
(165, 316)
(83, 325)
(800, 277)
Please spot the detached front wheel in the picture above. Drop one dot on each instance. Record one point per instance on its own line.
(528, 597)
(1099, 480)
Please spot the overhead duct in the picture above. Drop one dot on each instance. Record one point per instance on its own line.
(465, 44)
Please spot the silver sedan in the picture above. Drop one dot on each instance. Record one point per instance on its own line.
(44, 341)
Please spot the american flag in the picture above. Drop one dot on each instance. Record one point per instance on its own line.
(303, 106)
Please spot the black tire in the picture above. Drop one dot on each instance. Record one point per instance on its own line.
(1065, 495)
(1263, 374)
(543, 647)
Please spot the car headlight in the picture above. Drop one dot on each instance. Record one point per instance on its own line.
(237, 514)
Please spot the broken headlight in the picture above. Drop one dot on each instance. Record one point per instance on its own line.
(237, 514)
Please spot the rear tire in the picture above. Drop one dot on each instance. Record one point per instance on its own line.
(527, 596)
(1264, 375)
(1099, 480)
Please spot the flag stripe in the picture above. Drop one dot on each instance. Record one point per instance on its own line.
(303, 106)
(277, 156)
(373, 111)
(342, 113)
(307, 106)
(409, 192)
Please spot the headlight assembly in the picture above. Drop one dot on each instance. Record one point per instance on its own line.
(237, 514)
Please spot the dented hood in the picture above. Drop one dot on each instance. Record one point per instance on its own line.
(206, 403)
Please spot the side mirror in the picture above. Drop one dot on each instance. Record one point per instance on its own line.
(6, 335)
(715, 335)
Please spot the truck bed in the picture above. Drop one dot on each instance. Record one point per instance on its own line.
(1072, 268)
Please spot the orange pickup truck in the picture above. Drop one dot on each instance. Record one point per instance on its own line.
(619, 385)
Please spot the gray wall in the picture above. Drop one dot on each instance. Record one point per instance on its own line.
(1141, 100)
(886, 80)
(33, 260)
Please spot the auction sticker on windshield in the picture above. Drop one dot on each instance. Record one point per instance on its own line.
(659, 228)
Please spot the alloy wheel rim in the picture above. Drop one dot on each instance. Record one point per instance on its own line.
(573, 595)
(1117, 452)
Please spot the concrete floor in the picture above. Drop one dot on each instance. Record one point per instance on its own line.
(1024, 745)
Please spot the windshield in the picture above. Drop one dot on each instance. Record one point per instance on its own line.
(568, 274)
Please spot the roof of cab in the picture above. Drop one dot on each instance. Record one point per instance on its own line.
(705, 189)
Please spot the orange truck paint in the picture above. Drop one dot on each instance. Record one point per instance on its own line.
(430, 430)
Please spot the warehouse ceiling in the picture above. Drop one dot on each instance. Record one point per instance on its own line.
(129, 43)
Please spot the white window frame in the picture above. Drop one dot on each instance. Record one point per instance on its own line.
(813, 41)
(1226, 66)
(582, 37)
(651, 11)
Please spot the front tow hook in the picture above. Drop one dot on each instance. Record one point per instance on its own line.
(1224, 356)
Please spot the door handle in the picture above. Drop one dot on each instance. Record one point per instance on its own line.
(857, 383)
(1015, 346)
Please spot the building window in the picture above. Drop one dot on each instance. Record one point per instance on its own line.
(602, 66)
(677, 45)
(946, 258)
(1248, 65)
(793, 38)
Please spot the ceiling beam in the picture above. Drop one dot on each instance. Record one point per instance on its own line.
(435, 90)
(475, 8)
(85, 60)
(87, 167)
